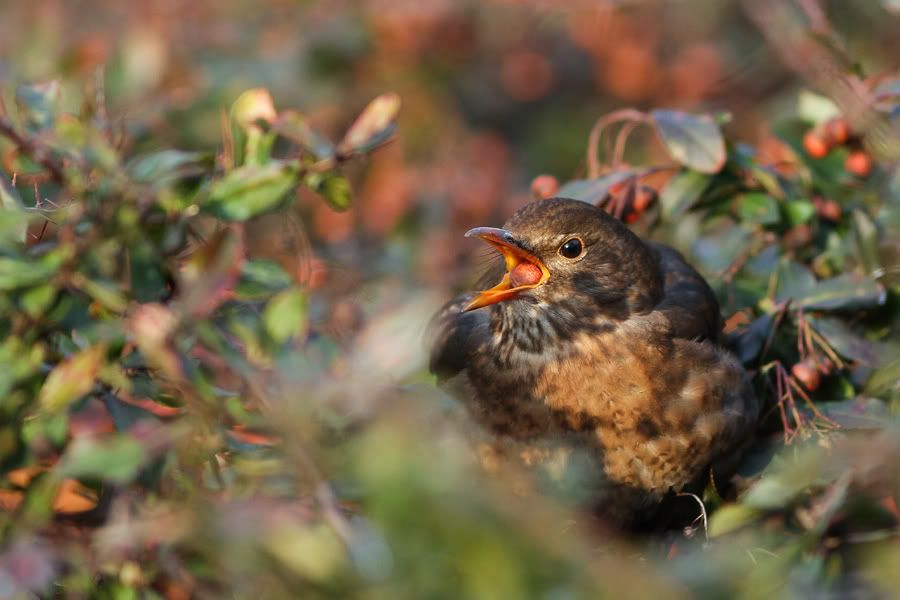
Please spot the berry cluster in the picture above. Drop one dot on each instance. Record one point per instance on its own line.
(823, 138)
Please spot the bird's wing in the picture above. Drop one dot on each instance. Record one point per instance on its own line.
(688, 303)
(453, 334)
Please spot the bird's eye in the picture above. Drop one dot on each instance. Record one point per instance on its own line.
(572, 248)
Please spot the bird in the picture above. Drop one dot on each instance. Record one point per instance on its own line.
(588, 345)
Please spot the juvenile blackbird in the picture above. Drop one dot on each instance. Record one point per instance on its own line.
(595, 343)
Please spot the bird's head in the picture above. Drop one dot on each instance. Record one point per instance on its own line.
(567, 251)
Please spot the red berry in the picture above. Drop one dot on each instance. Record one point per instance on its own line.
(806, 373)
(544, 186)
(829, 209)
(525, 273)
(838, 130)
(644, 197)
(859, 163)
(815, 144)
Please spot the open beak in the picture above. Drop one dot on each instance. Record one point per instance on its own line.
(523, 269)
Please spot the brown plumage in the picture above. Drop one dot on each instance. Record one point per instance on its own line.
(605, 351)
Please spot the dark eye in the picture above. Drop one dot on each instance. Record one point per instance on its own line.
(571, 249)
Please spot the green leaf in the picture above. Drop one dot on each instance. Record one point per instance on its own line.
(260, 278)
(715, 252)
(858, 413)
(116, 458)
(693, 140)
(731, 517)
(785, 480)
(374, 125)
(757, 207)
(750, 341)
(681, 193)
(147, 281)
(884, 379)
(18, 273)
(19, 362)
(15, 221)
(843, 339)
(9, 196)
(285, 315)
(38, 104)
(849, 291)
(293, 126)
(799, 211)
(844, 292)
(794, 281)
(334, 189)
(313, 552)
(165, 167)
(866, 236)
(36, 300)
(253, 106)
(251, 190)
(71, 379)
(105, 293)
(816, 108)
(592, 191)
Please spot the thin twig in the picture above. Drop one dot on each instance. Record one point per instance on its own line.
(593, 152)
(826, 348)
(621, 140)
(702, 516)
(779, 316)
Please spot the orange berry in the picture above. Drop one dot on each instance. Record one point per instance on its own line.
(859, 163)
(816, 144)
(806, 373)
(544, 186)
(838, 130)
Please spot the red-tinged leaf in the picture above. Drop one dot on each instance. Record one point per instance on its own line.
(71, 379)
(151, 325)
(253, 106)
(240, 434)
(693, 140)
(373, 126)
(72, 498)
(160, 410)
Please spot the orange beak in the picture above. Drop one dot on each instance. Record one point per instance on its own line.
(515, 256)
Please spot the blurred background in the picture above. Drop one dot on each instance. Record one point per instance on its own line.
(494, 93)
